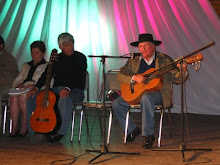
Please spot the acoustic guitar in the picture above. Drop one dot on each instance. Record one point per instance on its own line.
(44, 118)
(132, 93)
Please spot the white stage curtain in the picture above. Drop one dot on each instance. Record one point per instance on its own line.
(107, 27)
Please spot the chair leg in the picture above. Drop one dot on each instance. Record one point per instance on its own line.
(160, 129)
(4, 118)
(73, 122)
(80, 125)
(10, 125)
(87, 125)
(170, 123)
(109, 126)
(126, 126)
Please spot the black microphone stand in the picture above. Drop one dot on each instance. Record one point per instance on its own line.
(182, 146)
(104, 148)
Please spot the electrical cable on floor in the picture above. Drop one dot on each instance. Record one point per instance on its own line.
(74, 160)
(56, 161)
(90, 134)
(97, 99)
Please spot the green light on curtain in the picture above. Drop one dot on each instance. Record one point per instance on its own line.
(11, 19)
(5, 10)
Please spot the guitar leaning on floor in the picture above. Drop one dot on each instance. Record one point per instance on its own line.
(45, 117)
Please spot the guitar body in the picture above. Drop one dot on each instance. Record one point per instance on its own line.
(44, 119)
(140, 88)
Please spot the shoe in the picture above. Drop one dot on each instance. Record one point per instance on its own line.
(53, 137)
(40, 138)
(133, 134)
(23, 135)
(15, 135)
(148, 142)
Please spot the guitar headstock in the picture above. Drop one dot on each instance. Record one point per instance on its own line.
(54, 55)
(193, 59)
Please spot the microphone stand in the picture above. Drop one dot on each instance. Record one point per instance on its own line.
(182, 146)
(104, 148)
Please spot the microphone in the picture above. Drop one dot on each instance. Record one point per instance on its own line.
(132, 55)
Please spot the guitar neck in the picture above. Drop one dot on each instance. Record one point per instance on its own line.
(162, 71)
(172, 65)
(48, 80)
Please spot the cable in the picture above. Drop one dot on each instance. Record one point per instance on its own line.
(74, 160)
(41, 151)
(100, 96)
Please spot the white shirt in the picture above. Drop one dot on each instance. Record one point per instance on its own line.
(151, 59)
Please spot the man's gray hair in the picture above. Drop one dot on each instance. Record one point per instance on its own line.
(65, 37)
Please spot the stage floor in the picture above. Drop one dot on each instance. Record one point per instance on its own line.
(203, 133)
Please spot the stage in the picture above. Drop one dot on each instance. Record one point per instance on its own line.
(204, 132)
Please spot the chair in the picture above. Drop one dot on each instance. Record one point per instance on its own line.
(135, 108)
(81, 112)
(83, 109)
(94, 104)
(157, 108)
(5, 105)
(113, 92)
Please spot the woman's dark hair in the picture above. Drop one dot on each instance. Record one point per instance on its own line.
(40, 45)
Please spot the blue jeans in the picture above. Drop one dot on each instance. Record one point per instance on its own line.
(64, 106)
(147, 104)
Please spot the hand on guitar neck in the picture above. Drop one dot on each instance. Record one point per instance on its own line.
(184, 67)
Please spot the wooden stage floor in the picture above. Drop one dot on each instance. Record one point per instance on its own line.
(204, 133)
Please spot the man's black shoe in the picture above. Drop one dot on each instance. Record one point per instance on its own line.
(133, 134)
(148, 142)
(53, 137)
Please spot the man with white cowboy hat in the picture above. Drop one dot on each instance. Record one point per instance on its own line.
(131, 73)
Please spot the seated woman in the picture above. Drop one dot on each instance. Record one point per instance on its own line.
(28, 76)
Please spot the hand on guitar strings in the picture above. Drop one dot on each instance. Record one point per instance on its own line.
(138, 78)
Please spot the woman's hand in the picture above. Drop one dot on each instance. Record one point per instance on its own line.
(32, 93)
(20, 86)
(31, 86)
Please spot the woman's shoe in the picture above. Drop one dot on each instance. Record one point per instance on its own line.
(15, 135)
(23, 135)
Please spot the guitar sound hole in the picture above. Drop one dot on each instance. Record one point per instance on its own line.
(40, 119)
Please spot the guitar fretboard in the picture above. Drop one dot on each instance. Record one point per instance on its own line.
(49, 76)
(172, 65)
